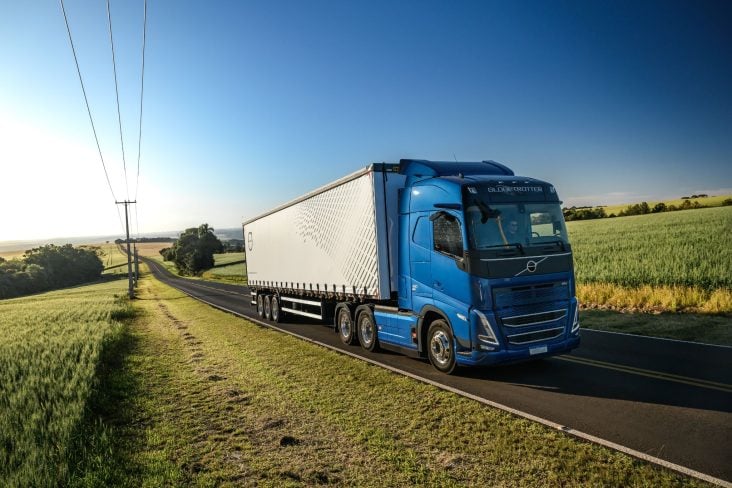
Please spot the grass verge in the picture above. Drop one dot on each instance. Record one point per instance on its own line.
(223, 401)
(708, 329)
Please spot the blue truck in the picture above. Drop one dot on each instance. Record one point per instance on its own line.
(464, 263)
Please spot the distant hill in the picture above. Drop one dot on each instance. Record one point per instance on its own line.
(16, 247)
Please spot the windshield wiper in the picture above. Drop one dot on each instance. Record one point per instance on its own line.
(558, 241)
(515, 245)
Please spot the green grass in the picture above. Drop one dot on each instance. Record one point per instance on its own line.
(708, 329)
(229, 268)
(221, 401)
(228, 258)
(51, 349)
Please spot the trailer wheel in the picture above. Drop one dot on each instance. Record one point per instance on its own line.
(268, 307)
(346, 328)
(366, 328)
(260, 305)
(441, 347)
(277, 313)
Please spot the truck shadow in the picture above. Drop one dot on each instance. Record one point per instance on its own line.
(561, 376)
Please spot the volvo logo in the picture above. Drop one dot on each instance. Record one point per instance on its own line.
(250, 241)
(531, 266)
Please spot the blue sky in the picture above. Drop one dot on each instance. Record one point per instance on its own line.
(249, 104)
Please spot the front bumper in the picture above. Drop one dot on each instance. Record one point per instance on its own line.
(503, 356)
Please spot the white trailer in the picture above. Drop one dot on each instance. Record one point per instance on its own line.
(336, 242)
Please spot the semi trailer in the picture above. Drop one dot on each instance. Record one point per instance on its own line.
(464, 263)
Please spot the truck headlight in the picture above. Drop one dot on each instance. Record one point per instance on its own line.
(575, 320)
(487, 336)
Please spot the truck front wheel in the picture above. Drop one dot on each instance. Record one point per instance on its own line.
(441, 347)
(366, 328)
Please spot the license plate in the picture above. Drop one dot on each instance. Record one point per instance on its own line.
(537, 350)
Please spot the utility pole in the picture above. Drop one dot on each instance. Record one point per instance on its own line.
(137, 265)
(129, 255)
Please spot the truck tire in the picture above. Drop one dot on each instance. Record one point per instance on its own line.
(260, 306)
(346, 327)
(366, 329)
(277, 312)
(268, 307)
(441, 347)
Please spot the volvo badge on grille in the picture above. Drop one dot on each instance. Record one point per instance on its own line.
(532, 266)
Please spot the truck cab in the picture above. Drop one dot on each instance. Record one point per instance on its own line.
(485, 265)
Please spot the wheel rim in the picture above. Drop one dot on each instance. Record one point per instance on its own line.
(267, 307)
(260, 305)
(440, 348)
(367, 330)
(344, 323)
(275, 309)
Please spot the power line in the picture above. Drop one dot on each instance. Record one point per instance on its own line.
(86, 101)
(142, 91)
(116, 91)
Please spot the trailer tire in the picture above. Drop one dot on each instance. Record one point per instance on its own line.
(346, 327)
(367, 331)
(275, 309)
(268, 307)
(260, 305)
(441, 347)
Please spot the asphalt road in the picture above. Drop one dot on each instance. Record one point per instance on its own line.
(668, 399)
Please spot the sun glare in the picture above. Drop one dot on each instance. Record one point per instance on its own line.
(66, 193)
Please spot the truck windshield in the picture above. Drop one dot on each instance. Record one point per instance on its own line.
(516, 225)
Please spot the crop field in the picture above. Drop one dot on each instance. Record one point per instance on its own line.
(50, 348)
(685, 255)
(151, 249)
(115, 262)
(228, 258)
(229, 268)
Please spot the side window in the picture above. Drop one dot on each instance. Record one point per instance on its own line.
(541, 224)
(448, 237)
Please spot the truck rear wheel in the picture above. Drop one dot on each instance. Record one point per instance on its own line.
(277, 313)
(346, 328)
(268, 307)
(260, 305)
(441, 347)
(366, 328)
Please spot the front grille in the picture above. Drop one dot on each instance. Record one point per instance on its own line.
(541, 335)
(518, 296)
(533, 318)
(532, 313)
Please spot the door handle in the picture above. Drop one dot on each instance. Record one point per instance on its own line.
(437, 285)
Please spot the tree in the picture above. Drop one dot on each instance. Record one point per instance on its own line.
(65, 265)
(193, 251)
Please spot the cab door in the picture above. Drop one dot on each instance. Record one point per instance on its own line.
(420, 259)
(450, 281)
